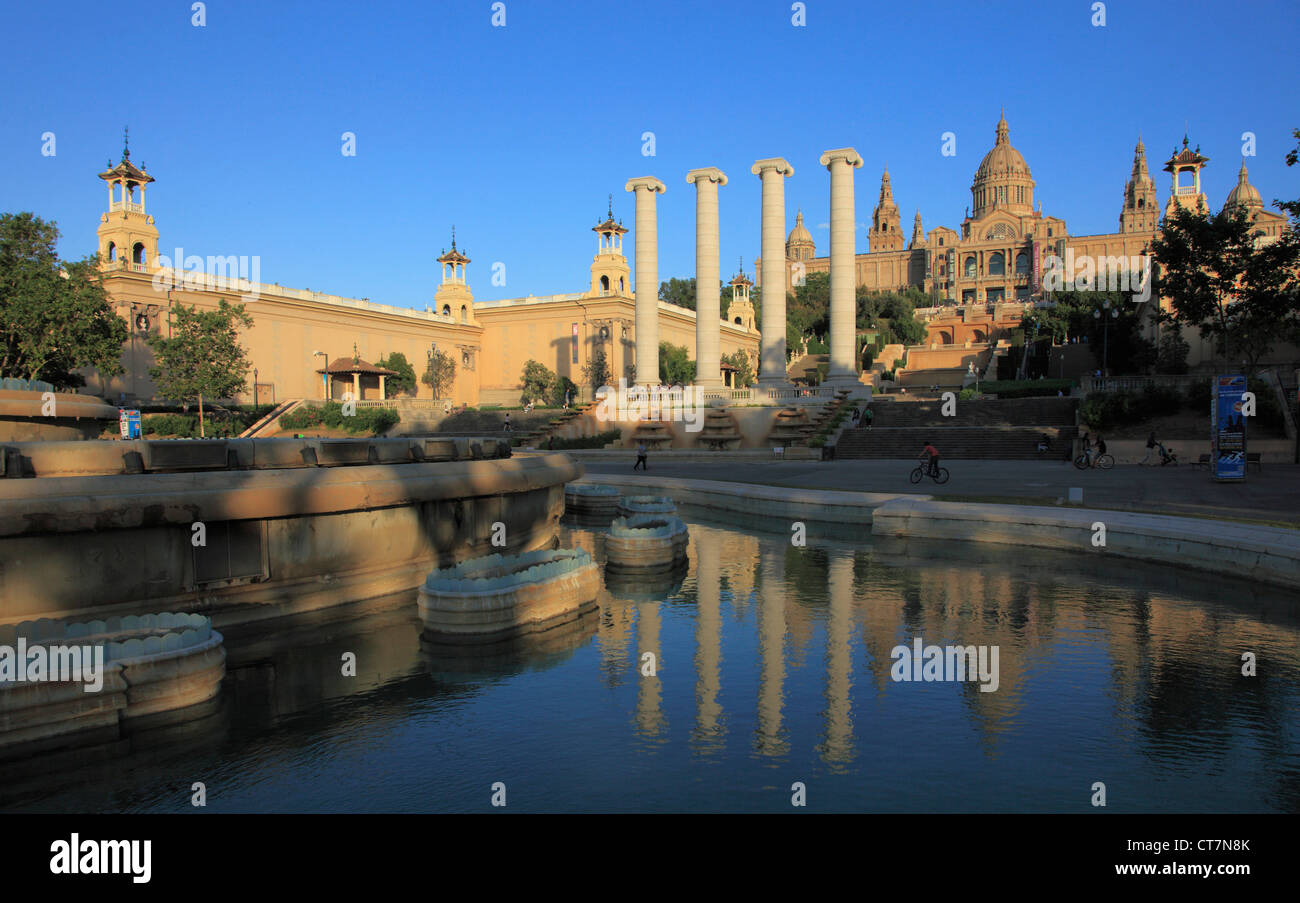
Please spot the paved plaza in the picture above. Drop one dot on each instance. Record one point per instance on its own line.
(1271, 495)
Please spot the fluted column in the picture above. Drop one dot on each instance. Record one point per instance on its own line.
(647, 278)
(773, 172)
(709, 729)
(841, 163)
(708, 307)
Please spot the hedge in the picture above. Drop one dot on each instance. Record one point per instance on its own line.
(365, 420)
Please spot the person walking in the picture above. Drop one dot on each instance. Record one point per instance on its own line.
(640, 456)
(1152, 445)
(506, 426)
(869, 415)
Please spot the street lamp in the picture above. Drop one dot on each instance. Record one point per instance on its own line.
(254, 390)
(326, 373)
(1101, 316)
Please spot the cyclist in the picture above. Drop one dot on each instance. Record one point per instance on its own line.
(1101, 446)
(933, 454)
(1087, 448)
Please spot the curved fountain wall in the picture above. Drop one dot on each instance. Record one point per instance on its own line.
(157, 669)
(289, 526)
(633, 505)
(646, 542)
(495, 596)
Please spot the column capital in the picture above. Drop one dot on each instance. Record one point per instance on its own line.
(649, 183)
(711, 173)
(847, 154)
(780, 164)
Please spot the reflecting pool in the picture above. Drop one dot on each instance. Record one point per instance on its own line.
(771, 666)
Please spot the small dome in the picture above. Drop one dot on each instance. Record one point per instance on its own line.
(1244, 194)
(1003, 158)
(799, 235)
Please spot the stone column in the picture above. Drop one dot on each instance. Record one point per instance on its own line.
(775, 275)
(708, 307)
(709, 727)
(843, 368)
(647, 278)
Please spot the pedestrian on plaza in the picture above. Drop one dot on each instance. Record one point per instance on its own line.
(1152, 445)
(640, 456)
(869, 415)
(506, 426)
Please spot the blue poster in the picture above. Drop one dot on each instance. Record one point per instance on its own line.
(1228, 441)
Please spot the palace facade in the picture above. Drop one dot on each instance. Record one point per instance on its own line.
(298, 335)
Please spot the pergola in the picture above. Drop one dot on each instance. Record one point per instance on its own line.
(356, 368)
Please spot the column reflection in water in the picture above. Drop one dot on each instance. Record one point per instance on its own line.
(707, 556)
(770, 739)
(838, 745)
(650, 719)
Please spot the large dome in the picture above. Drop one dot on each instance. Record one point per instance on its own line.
(1003, 159)
(1244, 194)
(1003, 180)
(799, 245)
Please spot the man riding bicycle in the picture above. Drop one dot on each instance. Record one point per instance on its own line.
(933, 454)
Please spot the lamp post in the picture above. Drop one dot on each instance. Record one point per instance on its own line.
(1105, 316)
(254, 390)
(326, 373)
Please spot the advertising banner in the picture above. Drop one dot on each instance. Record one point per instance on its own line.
(1228, 437)
(129, 423)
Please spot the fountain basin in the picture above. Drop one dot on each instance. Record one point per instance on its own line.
(646, 542)
(591, 500)
(632, 505)
(496, 596)
(156, 669)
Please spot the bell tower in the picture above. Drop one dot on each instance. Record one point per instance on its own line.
(886, 223)
(1140, 212)
(453, 297)
(610, 274)
(127, 236)
(1185, 167)
(741, 310)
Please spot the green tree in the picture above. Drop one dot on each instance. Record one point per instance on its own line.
(893, 314)
(596, 370)
(1241, 295)
(404, 382)
(1171, 356)
(54, 316)
(744, 376)
(202, 357)
(680, 292)
(538, 383)
(675, 365)
(440, 374)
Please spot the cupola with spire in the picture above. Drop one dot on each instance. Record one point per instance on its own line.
(1244, 194)
(610, 272)
(127, 235)
(1003, 180)
(453, 297)
(799, 245)
(1139, 213)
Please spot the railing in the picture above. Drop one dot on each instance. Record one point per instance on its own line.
(129, 206)
(1185, 190)
(1090, 383)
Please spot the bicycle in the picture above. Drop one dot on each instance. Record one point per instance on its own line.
(1102, 462)
(923, 470)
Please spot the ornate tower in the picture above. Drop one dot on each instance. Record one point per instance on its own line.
(741, 310)
(918, 234)
(610, 273)
(1185, 168)
(799, 245)
(1245, 195)
(1140, 212)
(886, 224)
(453, 298)
(1003, 180)
(127, 236)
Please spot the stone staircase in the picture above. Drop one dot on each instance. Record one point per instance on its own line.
(537, 437)
(998, 430)
(272, 420)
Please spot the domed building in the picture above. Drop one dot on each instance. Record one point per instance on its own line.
(799, 245)
(1246, 196)
(1003, 180)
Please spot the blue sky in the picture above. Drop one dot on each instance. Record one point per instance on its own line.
(517, 134)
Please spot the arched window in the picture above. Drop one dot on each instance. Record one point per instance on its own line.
(604, 285)
(1022, 263)
(446, 310)
(464, 314)
(112, 252)
(137, 253)
(738, 323)
(1142, 202)
(997, 264)
(620, 285)
(969, 270)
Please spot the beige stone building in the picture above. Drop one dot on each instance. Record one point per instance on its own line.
(298, 334)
